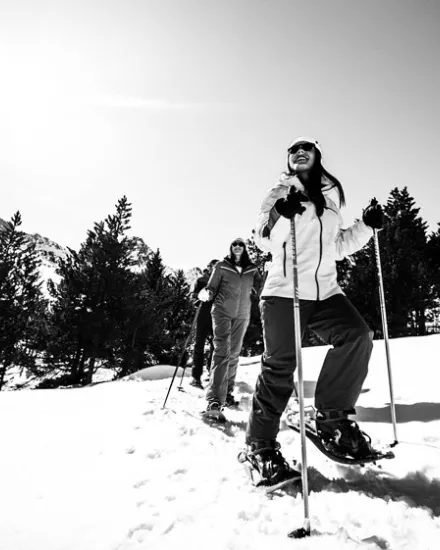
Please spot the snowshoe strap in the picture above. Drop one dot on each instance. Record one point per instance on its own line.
(259, 450)
(330, 415)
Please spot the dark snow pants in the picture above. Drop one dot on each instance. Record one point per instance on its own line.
(203, 332)
(228, 341)
(345, 367)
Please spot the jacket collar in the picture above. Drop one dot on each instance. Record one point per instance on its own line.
(249, 267)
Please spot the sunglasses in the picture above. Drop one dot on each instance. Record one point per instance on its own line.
(304, 146)
(238, 243)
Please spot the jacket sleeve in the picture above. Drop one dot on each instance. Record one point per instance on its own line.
(214, 280)
(272, 228)
(352, 239)
(258, 283)
(197, 288)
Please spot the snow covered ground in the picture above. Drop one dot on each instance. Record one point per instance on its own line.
(107, 468)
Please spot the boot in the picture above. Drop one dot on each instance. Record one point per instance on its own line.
(231, 402)
(214, 412)
(267, 466)
(341, 435)
(196, 383)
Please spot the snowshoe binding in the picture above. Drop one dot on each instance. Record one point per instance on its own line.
(213, 413)
(266, 466)
(338, 437)
(231, 402)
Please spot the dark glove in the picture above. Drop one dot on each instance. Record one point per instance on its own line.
(291, 205)
(373, 215)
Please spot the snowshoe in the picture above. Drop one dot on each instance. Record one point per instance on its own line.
(231, 402)
(338, 438)
(266, 466)
(213, 413)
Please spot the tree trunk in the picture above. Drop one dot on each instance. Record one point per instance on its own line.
(421, 322)
(74, 364)
(88, 379)
(91, 368)
(127, 363)
(81, 366)
(2, 376)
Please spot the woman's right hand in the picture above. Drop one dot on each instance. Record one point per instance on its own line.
(291, 205)
(205, 295)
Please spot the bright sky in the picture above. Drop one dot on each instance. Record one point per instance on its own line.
(187, 107)
(79, 473)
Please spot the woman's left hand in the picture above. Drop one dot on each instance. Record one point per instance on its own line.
(373, 215)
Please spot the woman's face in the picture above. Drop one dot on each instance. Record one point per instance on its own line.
(302, 157)
(237, 248)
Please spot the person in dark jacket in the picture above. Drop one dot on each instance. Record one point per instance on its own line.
(230, 286)
(203, 328)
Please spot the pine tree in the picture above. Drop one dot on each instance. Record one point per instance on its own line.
(155, 276)
(433, 262)
(92, 295)
(143, 337)
(179, 318)
(405, 270)
(21, 299)
(257, 256)
(253, 339)
(405, 264)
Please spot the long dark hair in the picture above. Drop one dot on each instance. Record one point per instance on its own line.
(244, 260)
(320, 179)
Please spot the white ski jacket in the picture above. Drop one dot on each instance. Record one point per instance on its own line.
(320, 241)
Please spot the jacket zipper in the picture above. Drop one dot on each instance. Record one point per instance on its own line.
(284, 260)
(320, 258)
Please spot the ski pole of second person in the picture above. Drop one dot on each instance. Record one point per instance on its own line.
(385, 332)
(185, 345)
(179, 361)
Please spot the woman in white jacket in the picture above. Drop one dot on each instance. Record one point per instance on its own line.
(324, 308)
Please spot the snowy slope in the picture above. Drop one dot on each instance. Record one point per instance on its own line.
(106, 468)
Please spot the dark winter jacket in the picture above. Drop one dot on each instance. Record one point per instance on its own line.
(205, 307)
(232, 290)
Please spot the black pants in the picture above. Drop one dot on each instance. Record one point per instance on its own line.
(345, 367)
(203, 333)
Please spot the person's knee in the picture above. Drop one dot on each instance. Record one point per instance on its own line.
(221, 358)
(281, 377)
(361, 334)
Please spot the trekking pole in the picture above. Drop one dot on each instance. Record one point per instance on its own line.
(305, 530)
(385, 333)
(179, 361)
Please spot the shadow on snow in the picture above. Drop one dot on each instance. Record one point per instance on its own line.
(415, 489)
(417, 412)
